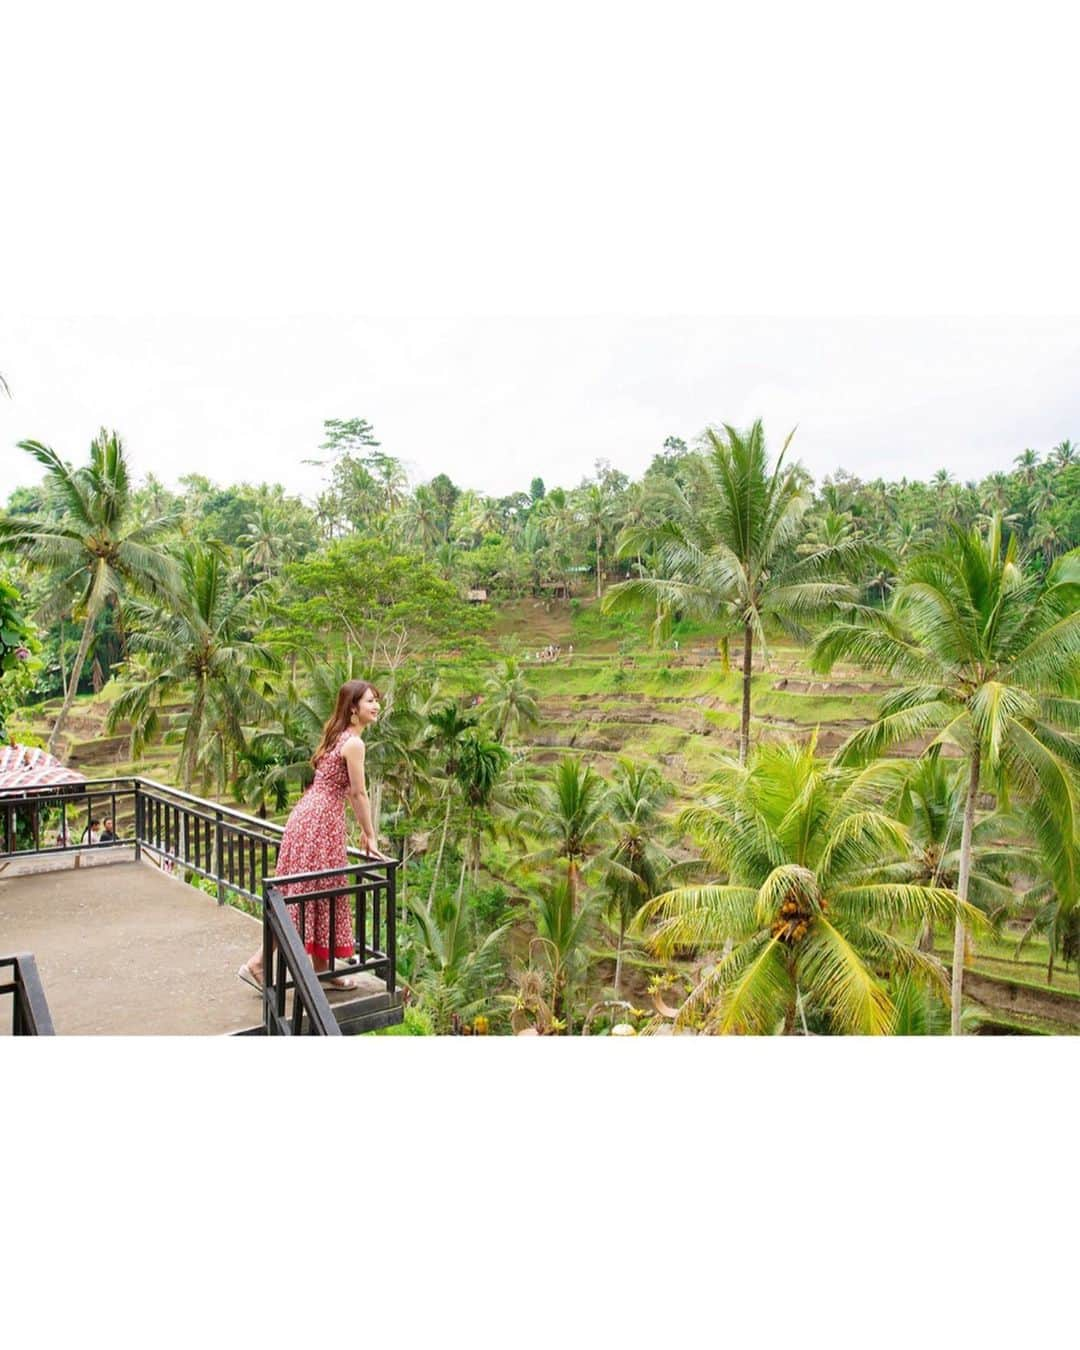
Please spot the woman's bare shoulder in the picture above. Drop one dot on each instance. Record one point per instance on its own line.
(351, 746)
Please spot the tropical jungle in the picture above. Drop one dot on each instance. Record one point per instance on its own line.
(719, 750)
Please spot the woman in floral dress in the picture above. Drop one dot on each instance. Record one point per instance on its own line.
(314, 838)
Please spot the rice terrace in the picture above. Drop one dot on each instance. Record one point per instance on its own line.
(719, 750)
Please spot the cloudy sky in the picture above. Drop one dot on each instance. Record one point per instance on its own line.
(495, 401)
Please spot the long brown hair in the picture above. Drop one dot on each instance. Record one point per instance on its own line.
(349, 695)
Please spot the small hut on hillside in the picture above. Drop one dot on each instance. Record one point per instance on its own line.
(555, 590)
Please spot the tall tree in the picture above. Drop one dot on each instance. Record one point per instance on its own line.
(596, 507)
(94, 549)
(634, 860)
(447, 729)
(509, 700)
(729, 550)
(198, 643)
(806, 913)
(568, 815)
(479, 767)
(990, 654)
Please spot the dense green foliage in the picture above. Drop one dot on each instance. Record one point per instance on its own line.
(796, 892)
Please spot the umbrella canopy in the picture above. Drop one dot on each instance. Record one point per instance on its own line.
(23, 766)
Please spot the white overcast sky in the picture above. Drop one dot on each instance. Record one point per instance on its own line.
(495, 401)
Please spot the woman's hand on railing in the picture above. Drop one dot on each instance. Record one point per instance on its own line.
(369, 845)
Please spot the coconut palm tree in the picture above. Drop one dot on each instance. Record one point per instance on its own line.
(442, 960)
(730, 550)
(634, 861)
(95, 549)
(995, 492)
(595, 506)
(1064, 453)
(424, 520)
(805, 916)
(568, 814)
(1026, 464)
(198, 645)
(563, 927)
(990, 652)
(931, 805)
(1053, 865)
(265, 541)
(509, 700)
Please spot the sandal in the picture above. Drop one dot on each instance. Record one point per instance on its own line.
(246, 974)
(342, 982)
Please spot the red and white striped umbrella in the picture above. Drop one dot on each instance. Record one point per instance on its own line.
(23, 766)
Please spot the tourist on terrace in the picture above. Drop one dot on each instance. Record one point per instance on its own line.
(314, 838)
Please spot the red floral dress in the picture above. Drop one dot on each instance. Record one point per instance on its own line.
(314, 840)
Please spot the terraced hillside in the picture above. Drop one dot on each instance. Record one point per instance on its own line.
(683, 713)
(613, 697)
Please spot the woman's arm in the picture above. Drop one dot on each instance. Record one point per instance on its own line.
(358, 797)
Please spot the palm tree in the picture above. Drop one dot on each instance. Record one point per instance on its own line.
(509, 700)
(447, 727)
(995, 494)
(1064, 454)
(424, 519)
(807, 911)
(596, 508)
(1054, 868)
(1048, 539)
(442, 960)
(329, 514)
(95, 550)
(568, 813)
(562, 927)
(1027, 463)
(931, 805)
(731, 551)
(480, 764)
(196, 644)
(265, 543)
(990, 651)
(391, 478)
(634, 861)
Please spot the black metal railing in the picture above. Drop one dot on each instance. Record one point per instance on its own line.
(286, 966)
(44, 820)
(235, 851)
(369, 890)
(30, 1014)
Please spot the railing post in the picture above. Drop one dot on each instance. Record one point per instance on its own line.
(268, 962)
(391, 927)
(138, 820)
(219, 864)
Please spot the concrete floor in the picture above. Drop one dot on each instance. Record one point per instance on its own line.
(123, 949)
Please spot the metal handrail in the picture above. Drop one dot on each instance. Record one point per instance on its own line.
(235, 850)
(30, 1014)
(291, 970)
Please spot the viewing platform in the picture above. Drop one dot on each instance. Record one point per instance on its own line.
(123, 945)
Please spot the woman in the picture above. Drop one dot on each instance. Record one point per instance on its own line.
(314, 838)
